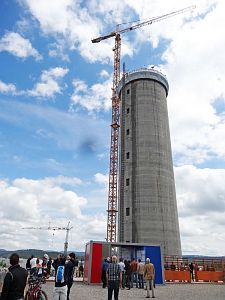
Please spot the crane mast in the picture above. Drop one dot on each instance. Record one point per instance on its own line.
(114, 156)
(112, 195)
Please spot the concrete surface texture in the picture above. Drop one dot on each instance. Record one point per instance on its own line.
(167, 292)
(147, 198)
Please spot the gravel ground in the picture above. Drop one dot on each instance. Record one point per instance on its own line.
(166, 292)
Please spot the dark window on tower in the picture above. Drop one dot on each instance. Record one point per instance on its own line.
(127, 181)
(127, 211)
(127, 241)
(128, 91)
(128, 131)
(128, 155)
(128, 110)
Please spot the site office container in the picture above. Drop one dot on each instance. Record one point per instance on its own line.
(97, 251)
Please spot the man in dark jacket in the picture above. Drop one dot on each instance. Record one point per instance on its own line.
(105, 266)
(15, 280)
(28, 266)
(71, 267)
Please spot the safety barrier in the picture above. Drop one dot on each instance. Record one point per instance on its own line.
(209, 276)
(194, 270)
(181, 276)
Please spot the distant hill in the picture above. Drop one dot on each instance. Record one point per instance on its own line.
(202, 256)
(26, 253)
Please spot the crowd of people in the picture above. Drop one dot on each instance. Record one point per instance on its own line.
(115, 275)
(127, 274)
(16, 278)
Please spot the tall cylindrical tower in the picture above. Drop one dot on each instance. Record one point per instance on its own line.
(147, 198)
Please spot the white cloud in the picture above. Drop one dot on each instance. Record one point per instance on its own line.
(104, 74)
(49, 85)
(97, 97)
(61, 180)
(78, 24)
(197, 80)
(7, 88)
(102, 178)
(58, 50)
(201, 208)
(27, 202)
(15, 44)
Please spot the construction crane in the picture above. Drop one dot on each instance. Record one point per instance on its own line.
(54, 228)
(113, 172)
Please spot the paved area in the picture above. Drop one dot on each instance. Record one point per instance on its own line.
(166, 292)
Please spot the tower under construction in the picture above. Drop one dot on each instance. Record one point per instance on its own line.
(147, 197)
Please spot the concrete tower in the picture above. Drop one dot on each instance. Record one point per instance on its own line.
(147, 198)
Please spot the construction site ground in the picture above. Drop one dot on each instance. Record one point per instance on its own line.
(193, 291)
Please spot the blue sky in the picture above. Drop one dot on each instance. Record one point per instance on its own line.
(55, 90)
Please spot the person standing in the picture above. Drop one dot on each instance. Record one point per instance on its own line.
(15, 280)
(33, 266)
(122, 267)
(114, 279)
(105, 266)
(191, 267)
(140, 272)
(49, 266)
(149, 275)
(133, 267)
(28, 266)
(71, 268)
(42, 269)
(127, 273)
(61, 278)
(81, 268)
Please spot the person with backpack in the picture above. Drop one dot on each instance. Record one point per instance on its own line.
(61, 278)
(15, 280)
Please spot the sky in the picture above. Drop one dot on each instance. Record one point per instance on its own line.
(55, 115)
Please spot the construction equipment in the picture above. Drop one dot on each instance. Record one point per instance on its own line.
(112, 194)
(54, 228)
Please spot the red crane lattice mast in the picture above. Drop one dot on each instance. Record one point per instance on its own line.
(113, 172)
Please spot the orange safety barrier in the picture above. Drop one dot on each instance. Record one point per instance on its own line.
(205, 269)
(182, 276)
(209, 276)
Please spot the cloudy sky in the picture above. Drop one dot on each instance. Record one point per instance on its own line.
(55, 90)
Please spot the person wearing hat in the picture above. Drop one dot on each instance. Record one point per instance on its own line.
(149, 275)
(42, 269)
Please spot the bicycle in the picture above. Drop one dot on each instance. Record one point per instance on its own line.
(34, 291)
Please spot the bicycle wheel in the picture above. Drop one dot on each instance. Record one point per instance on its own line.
(29, 296)
(41, 295)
